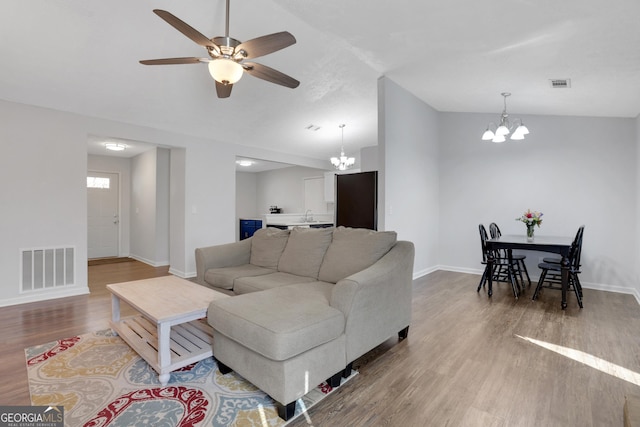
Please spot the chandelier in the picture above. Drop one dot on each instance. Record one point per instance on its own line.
(505, 127)
(343, 162)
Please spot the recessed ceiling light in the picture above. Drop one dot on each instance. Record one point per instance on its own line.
(114, 146)
(244, 163)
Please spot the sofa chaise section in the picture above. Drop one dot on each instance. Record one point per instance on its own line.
(315, 304)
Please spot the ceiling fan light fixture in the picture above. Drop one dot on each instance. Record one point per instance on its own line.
(225, 71)
(227, 54)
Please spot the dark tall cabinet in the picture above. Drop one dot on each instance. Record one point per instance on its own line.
(357, 200)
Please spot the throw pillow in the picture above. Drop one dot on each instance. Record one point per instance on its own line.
(305, 250)
(267, 245)
(352, 250)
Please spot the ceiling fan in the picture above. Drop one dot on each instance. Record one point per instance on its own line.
(227, 55)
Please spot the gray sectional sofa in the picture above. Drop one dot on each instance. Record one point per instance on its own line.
(308, 303)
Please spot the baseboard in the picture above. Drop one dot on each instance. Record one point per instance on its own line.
(418, 274)
(35, 296)
(182, 274)
(150, 262)
(534, 279)
(460, 269)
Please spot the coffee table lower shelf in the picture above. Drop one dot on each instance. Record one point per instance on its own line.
(189, 343)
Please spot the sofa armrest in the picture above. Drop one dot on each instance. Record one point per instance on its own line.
(226, 255)
(377, 300)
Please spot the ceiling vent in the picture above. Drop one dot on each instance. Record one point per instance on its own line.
(560, 83)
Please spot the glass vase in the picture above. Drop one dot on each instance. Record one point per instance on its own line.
(530, 231)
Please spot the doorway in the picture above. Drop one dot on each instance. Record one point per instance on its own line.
(103, 214)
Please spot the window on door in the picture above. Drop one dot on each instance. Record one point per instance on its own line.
(98, 182)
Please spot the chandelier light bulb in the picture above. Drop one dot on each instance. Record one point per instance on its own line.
(523, 129)
(502, 130)
(517, 136)
(487, 135)
(499, 138)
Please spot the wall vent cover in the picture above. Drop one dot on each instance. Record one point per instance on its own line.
(560, 83)
(46, 268)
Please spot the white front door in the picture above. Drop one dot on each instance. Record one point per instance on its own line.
(103, 214)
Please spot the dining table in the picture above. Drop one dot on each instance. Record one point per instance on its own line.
(560, 245)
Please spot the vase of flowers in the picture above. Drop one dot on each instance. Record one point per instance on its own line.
(531, 219)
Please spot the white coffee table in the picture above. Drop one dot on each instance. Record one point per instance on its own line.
(167, 332)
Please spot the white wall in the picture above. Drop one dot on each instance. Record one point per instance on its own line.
(121, 166)
(143, 205)
(369, 159)
(43, 169)
(162, 206)
(177, 216)
(576, 170)
(408, 176)
(637, 234)
(247, 195)
(283, 188)
(43, 186)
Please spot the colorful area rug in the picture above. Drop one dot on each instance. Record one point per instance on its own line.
(101, 381)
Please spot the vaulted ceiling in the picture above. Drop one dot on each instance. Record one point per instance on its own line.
(458, 56)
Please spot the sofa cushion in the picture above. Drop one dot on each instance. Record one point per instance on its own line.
(244, 285)
(305, 250)
(352, 250)
(301, 321)
(224, 277)
(267, 245)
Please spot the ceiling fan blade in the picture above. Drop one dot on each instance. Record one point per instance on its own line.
(269, 74)
(266, 44)
(223, 90)
(185, 28)
(167, 61)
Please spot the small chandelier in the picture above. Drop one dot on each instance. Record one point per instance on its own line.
(343, 162)
(505, 127)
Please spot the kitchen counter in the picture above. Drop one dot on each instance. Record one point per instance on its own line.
(290, 224)
(288, 221)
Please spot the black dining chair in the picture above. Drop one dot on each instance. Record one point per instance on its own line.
(518, 259)
(502, 270)
(552, 271)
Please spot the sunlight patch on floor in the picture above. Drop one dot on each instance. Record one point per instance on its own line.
(589, 360)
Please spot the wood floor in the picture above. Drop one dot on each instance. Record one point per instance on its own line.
(468, 361)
